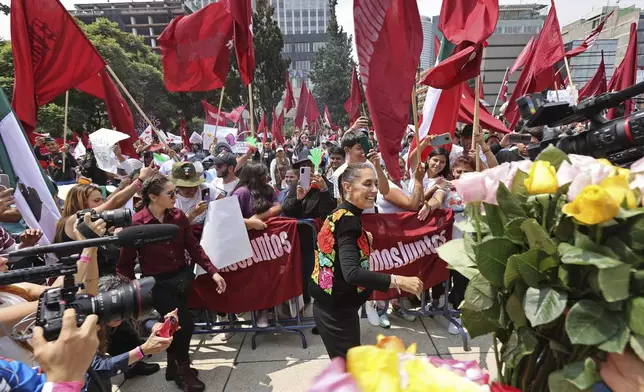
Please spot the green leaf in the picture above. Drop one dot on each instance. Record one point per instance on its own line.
(623, 252)
(479, 294)
(511, 271)
(557, 383)
(508, 203)
(636, 233)
(577, 256)
(553, 155)
(554, 209)
(481, 323)
(468, 244)
(617, 343)
(564, 228)
(584, 242)
(614, 282)
(518, 346)
(494, 219)
(491, 257)
(582, 374)
(547, 263)
(513, 230)
(589, 323)
(515, 310)
(518, 184)
(537, 236)
(635, 315)
(457, 256)
(564, 275)
(544, 306)
(624, 213)
(529, 267)
(637, 344)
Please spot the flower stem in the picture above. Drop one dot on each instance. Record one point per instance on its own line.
(477, 221)
(544, 218)
(499, 365)
(598, 234)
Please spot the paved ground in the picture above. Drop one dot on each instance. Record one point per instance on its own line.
(280, 364)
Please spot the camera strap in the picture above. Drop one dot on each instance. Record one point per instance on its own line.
(86, 231)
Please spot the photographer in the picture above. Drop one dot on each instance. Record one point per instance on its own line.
(55, 159)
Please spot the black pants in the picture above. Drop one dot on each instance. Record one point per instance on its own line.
(457, 295)
(339, 328)
(171, 292)
(307, 250)
(123, 339)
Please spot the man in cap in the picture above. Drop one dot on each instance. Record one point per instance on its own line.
(55, 158)
(193, 195)
(225, 179)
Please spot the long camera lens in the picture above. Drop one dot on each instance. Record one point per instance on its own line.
(118, 218)
(129, 302)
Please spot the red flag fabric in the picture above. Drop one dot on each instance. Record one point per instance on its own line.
(463, 65)
(281, 120)
(389, 40)
(312, 113)
(314, 127)
(523, 56)
(590, 40)
(213, 117)
(470, 21)
(85, 139)
(289, 100)
(302, 106)
(235, 114)
(503, 92)
(263, 128)
(437, 47)
(559, 81)
(242, 14)
(276, 128)
(596, 85)
(44, 40)
(466, 113)
(625, 74)
(352, 105)
(183, 128)
(195, 50)
(327, 119)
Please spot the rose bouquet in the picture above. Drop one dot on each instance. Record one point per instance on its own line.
(555, 264)
(389, 367)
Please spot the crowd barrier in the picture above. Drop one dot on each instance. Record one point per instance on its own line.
(283, 259)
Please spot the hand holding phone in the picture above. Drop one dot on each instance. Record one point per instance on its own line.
(205, 194)
(441, 140)
(522, 138)
(366, 145)
(170, 325)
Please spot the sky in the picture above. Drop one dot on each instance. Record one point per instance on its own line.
(567, 10)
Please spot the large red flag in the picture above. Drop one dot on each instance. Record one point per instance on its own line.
(235, 114)
(389, 40)
(242, 14)
(327, 119)
(312, 112)
(596, 85)
(470, 21)
(213, 117)
(523, 56)
(183, 128)
(302, 106)
(466, 113)
(352, 105)
(463, 65)
(276, 127)
(195, 50)
(625, 74)
(289, 100)
(51, 55)
(263, 128)
(590, 40)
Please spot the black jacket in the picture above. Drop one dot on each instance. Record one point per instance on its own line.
(315, 204)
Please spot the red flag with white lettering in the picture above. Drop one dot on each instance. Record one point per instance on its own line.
(590, 40)
(213, 117)
(242, 14)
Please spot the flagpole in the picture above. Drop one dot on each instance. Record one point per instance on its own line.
(502, 84)
(65, 128)
(221, 101)
(252, 115)
(475, 125)
(136, 105)
(414, 106)
(364, 111)
(572, 84)
(557, 90)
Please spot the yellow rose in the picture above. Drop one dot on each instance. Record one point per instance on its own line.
(374, 369)
(542, 178)
(424, 377)
(618, 188)
(617, 171)
(593, 205)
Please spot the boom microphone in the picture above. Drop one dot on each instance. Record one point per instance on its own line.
(133, 236)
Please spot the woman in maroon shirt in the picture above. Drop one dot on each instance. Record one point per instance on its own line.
(167, 263)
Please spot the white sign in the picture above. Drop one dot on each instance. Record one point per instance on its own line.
(174, 139)
(102, 142)
(221, 134)
(196, 138)
(80, 150)
(562, 96)
(146, 136)
(240, 148)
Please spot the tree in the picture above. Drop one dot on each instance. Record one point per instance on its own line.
(331, 70)
(269, 83)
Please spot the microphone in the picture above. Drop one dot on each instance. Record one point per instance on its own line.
(133, 236)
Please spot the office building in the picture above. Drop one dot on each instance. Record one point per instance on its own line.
(146, 19)
(428, 54)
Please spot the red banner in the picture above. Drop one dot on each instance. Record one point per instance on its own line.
(271, 276)
(403, 245)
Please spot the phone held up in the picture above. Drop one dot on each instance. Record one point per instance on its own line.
(442, 140)
(522, 138)
(305, 177)
(4, 182)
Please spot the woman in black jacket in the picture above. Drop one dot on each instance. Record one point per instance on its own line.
(341, 281)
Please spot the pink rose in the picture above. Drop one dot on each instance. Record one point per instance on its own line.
(335, 378)
(638, 167)
(471, 187)
(592, 174)
(567, 173)
(326, 278)
(492, 179)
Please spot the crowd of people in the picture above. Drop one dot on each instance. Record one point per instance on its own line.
(266, 181)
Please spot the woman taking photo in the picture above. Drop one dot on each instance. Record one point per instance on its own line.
(166, 262)
(341, 282)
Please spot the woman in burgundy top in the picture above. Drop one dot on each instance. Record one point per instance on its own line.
(168, 265)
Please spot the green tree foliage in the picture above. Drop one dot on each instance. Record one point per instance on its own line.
(332, 67)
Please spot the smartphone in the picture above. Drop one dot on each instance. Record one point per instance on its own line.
(305, 177)
(4, 181)
(522, 138)
(442, 139)
(170, 326)
(221, 194)
(205, 194)
(366, 146)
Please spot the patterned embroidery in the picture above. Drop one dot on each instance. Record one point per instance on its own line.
(325, 255)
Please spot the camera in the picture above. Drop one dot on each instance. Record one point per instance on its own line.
(620, 140)
(113, 218)
(128, 302)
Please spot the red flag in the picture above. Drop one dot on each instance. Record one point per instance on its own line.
(302, 106)
(276, 128)
(471, 21)
(327, 119)
(523, 56)
(85, 139)
(466, 113)
(625, 74)
(195, 50)
(213, 117)
(263, 127)
(281, 120)
(463, 65)
(50, 53)
(242, 14)
(352, 105)
(437, 47)
(389, 40)
(559, 80)
(596, 85)
(314, 127)
(235, 114)
(289, 101)
(590, 40)
(183, 128)
(312, 113)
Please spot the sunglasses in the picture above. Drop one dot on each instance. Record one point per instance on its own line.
(172, 194)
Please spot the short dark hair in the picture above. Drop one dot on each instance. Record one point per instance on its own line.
(535, 132)
(350, 139)
(335, 150)
(467, 130)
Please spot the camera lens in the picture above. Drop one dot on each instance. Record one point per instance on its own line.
(129, 302)
(118, 218)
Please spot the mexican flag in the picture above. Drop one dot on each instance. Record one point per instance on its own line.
(33, 190)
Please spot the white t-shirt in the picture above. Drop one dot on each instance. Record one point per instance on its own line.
(336, 188)
(185, 204)
(458, 151)
(386, 207)
(218, 184)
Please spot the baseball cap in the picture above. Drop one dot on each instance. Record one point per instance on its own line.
(184, 174)
(223, 147)
(225, 158)
(280, 148)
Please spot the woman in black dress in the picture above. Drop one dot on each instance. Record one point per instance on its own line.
(341, 281)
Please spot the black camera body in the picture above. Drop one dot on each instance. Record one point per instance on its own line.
(114, 218)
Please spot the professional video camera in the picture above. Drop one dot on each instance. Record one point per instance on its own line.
(621, 140)
(112, 218)
(132, 301)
